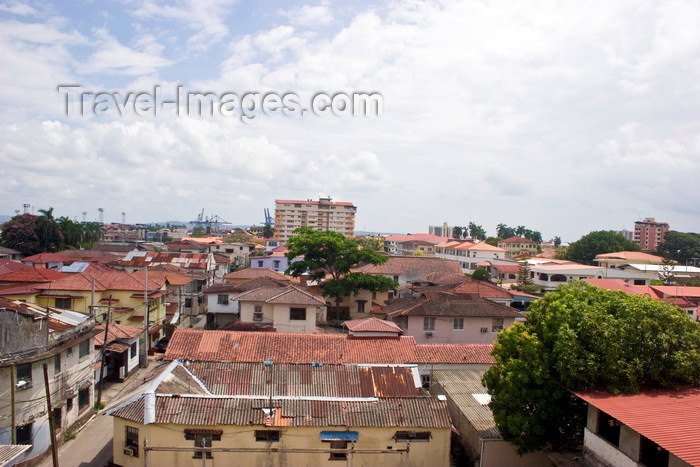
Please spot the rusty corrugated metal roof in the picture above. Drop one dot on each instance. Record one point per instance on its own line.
(668, 417)
(423, 412)
(305, 380)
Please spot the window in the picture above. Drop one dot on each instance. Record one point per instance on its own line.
(188, 303)
(297, 313)
(202, 439)
(458, 323)
(132, 439)
(83, 398)
(412, 436)
(24, 376)
(428, 324)
(62, 303)
(497, 324)
(24, 434)
(84, 348)
(609, 428)
(222, 299)
(132, 350)
(260, 263)
(652, 453)
(336, 456)
(361, 306)
(69, 404)
(57, 418)
(57, 363)
(258, 313)
(267, 435)
(276, 264)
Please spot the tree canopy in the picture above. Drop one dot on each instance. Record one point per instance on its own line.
(332, 254)
(680, 246)
(581, 337)
(595, 243)
(32, 234)
(481, 274)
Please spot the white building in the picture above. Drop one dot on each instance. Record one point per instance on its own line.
(322, 215)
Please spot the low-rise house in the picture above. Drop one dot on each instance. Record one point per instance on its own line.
(550, 274)
(243, 275)
(10, 254)
(120, 350)
(238, 253)
(518, 246)
(467, 400)
(287, 309)
(408, 244)
(30, 337)
(611, 260)
(28, 276)
(282, 414)
(469, 254)
(222, 308)
(7, 265)
(372, 327)
(48, 260)
(446, 317)
(656, 427)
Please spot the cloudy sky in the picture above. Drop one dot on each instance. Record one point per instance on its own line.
(565, 117)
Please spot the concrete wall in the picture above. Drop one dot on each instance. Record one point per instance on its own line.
(444, 332)
(598, 452)
(433, 453)
(20, 333)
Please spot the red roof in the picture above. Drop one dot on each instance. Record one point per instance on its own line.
(483, 289)
(43, 258)
(308, 201)
(615, 284)
(7, 265)
(517, 240)
(234, 346)
(668, 417)
(116, 332)
(372, 325)
(32, 275)
(677, 291)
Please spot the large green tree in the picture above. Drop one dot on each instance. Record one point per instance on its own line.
(595, 243)
(477, 231)
(580, 337)
(331, 256)
(680, 246)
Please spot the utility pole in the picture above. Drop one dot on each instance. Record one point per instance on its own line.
(13, 382)
(144, 347)
(104, 351)
(52, 428)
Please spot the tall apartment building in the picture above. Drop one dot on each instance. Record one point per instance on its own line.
(322, 215)
(443, 230)
(649, 233)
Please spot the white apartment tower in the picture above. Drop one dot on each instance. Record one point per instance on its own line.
(322, 215)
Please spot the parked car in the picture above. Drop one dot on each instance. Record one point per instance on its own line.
(162, 344)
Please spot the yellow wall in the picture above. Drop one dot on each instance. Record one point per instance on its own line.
(432, 453)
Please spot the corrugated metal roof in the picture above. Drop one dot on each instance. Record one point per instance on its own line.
(670, 418)
(424, 412)
(10, 452)
(306, 380)
(460, 387)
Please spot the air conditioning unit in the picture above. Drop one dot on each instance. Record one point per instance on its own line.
(23, 384)
(484, 330)
(130, 451)
(428, 334)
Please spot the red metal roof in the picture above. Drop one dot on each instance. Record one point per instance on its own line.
(670, 418)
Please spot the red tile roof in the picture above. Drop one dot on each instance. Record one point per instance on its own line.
(448, 304)
(455, 353)
(483, 289)
(254, 273)
(666, 416)
(430, 238)
(116, 332)
(630, 256)
(234, 346)
(44, 258)
(332, 203)
(32, 275)
(7, 265)
(517, 240)
(372, 324)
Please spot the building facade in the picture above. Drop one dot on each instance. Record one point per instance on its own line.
(322, 215)
(648, 234)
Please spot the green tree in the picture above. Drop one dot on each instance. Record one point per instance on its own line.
(557, 242)
(680, 246)
(331, 254)
(581, 337)
(458, 232)
(481, 274)
(477, 231)
(561, 252)
(533, 235)
(198, 232)
(595, 243)
(666, 274)
(372, 242)
(493, 241)
(268, 230)
(19, 233)
(238, 236)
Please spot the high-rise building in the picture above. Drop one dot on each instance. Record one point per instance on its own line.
(321, 215)
(649, 233)
(440, 230)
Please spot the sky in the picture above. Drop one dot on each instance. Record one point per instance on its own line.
(565, 117)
